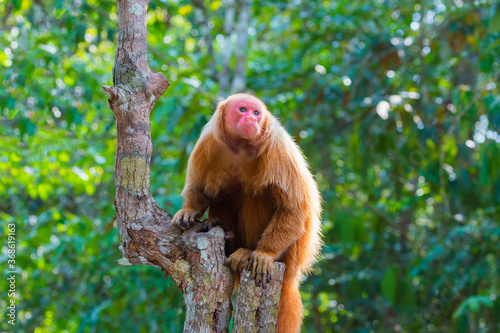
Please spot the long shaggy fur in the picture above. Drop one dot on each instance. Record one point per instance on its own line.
(263, 192)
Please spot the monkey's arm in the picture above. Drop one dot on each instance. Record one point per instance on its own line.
(195, 200)
(285, 228)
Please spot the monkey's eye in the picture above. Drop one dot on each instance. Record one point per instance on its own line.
(243, 110)
(256, 113)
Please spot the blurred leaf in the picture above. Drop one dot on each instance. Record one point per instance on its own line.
(389, 283)
(472, 304)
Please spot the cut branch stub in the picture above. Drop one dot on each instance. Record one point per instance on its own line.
(111, 92)
(156, 85)
(257, 307)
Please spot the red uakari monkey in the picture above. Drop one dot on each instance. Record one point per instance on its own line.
(255, 181)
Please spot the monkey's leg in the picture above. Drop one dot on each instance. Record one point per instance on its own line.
(228, 234)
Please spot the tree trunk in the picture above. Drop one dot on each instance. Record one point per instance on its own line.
(224, 77)
(240, 70)
(194, 259)
(200, 14)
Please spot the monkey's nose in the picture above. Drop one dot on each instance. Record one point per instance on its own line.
(251, 120)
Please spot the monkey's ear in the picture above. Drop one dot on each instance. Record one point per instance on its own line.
(218, 119)
(221, 106)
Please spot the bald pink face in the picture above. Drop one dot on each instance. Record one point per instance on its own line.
(243, 116)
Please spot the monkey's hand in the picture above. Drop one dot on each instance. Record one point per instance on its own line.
(260, 266)
(239, 259)
(185, 218)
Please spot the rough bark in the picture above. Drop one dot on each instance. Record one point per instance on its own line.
(194, 259)
(256, 309)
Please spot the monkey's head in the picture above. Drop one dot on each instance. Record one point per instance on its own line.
(243, 116)
(241, 121)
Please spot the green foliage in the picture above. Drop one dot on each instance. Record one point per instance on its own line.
(472, 304)
(395, 104)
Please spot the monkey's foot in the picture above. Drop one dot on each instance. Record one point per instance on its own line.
(185, 219)
(239, 260)
(260, 266)
(215, 222)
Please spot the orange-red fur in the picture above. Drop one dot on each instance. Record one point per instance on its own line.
(262, 191)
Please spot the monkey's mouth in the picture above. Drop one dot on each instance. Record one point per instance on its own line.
(249, 130)
(253, 125)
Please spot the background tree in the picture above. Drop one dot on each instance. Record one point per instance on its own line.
(395, 104)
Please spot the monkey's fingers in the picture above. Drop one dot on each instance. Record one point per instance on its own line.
(253, 268)
(175, 220)
(266, 275)
(179, 223)
(184, 225)
(187, 221)
(266, 280)
(258, 280)
(184, 219)
(262, 279)
(265, 269)
(242, 264)
(237, 265)
(239, 259)
(260, 265)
